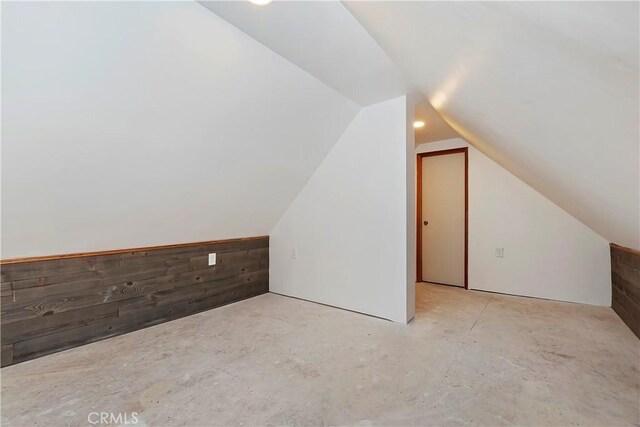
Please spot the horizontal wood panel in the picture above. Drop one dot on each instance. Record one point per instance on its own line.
(13, 272)
(619, 248)
(45, 325)
(53, 304)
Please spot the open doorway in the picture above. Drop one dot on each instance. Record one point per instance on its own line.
(442, 217)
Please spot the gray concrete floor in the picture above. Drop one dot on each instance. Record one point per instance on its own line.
(467, 358)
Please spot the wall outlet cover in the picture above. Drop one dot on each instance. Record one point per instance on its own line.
(499, 252)
(212, 259)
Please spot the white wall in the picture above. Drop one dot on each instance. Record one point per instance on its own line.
(348, 225)
(142, 123)
(547, 252)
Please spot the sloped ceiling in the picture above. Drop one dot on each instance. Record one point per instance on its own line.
(129, 124)
(547, 89)
(435, 128)
(324, 39)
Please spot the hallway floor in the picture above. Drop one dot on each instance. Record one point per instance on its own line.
(468, 358)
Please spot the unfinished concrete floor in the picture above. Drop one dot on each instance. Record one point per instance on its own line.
(468, 358)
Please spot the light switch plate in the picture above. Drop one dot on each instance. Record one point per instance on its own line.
(499, 252)
(212, 259)
(294, 253)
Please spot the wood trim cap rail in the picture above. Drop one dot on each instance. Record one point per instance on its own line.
(122, 251)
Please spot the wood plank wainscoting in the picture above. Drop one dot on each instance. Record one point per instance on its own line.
(54, 303)
(625, 282)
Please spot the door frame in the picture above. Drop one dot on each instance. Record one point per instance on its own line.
(464, 150)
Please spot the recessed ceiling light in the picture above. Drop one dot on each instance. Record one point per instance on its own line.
(418, 124)
(261, 2)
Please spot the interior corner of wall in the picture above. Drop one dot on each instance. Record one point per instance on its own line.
(318, 166)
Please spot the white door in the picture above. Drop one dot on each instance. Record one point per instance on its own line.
(442, 222)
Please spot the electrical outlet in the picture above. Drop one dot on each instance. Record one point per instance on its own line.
(212, 259)
(499, 252)
(294, 253)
